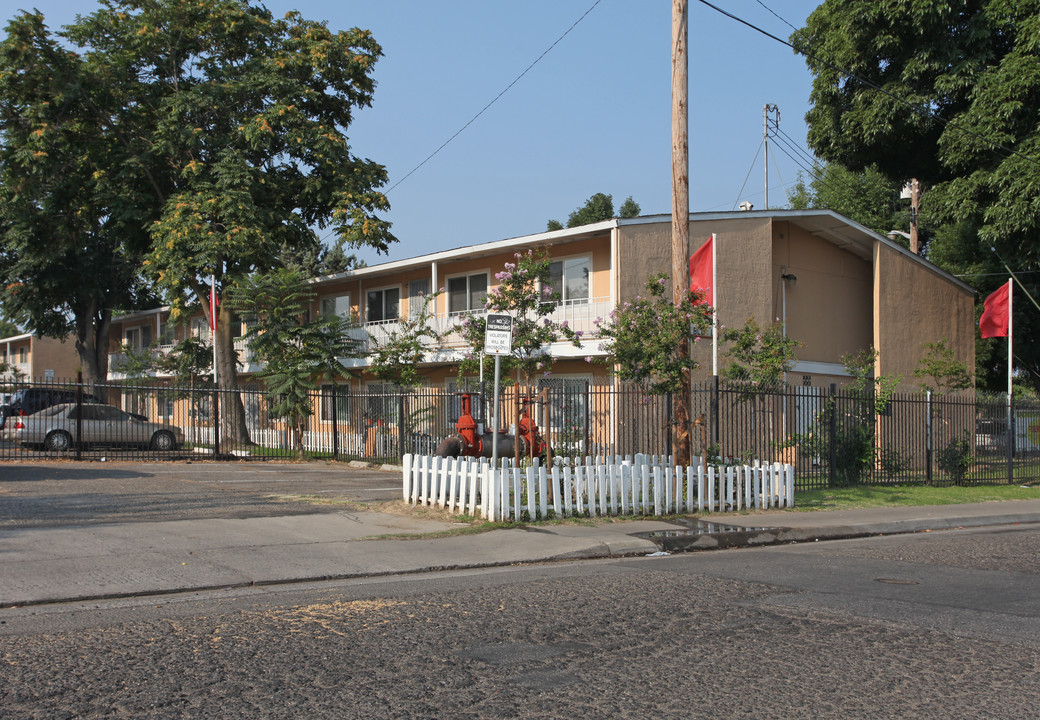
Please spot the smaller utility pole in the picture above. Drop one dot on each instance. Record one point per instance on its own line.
(915, 203)
(765, 141)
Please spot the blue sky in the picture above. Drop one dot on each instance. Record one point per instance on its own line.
(593, 115)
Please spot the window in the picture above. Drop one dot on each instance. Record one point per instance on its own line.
(568, 406)
(467, 293)
(138, 338)
(165, 333)
(342, 398)
(164, 403)
(382, 305)
(200, 328)
(337, 305)
(454, 406)
(570, 279)
(382, 403)
(418, 291)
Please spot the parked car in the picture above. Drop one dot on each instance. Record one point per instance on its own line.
(56, 428)
(28, 401)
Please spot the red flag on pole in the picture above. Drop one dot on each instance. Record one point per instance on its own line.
(701, 272)
(214, 303)
(995, 319)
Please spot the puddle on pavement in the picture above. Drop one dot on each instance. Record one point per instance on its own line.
(692, 527)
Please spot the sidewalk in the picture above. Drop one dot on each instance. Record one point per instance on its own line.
(41, 565)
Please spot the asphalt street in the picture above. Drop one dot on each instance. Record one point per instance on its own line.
(926, 625)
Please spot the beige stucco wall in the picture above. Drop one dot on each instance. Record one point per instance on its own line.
(915, 305)
(50, 354)
(744, 256)
(829, 305)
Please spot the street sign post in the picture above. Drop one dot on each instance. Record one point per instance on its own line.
(498, 341)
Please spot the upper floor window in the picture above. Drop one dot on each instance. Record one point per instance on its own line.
(338, 305)
(570, 279)
(467, 293)
(418, 291)
(383, 305)
(138, 338)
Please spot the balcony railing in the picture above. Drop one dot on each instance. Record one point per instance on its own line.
(580, 316)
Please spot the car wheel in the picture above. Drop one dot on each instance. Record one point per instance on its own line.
(57, 441)
(163, 440)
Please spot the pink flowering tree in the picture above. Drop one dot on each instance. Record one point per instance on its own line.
(648, 339)
(524, 291)
(643, 337)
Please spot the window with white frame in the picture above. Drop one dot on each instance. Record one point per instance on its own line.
(165, 333)
(336, 305)
(338, 397)
(200, 328)
(570, 280)
(382, 305)
(568, 406)
(418, 291)
(138, 338)
(466, 293)
(382, 403)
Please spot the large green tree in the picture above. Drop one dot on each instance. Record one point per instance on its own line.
(948, 93)
(74, 203)
(221, 127)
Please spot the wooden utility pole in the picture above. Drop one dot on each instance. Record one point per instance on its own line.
(680, 210)
(680, 153)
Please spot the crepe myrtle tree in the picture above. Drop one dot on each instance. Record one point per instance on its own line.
(643, 336)
(526, 293)
(647, 340)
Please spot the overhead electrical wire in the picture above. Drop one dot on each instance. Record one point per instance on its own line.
(495, 99)
(848, 74)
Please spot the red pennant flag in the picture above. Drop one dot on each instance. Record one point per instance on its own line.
(994, 320)
(701, 272)
(214, 303)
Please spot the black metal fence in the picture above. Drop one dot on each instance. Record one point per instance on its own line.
(832, 436)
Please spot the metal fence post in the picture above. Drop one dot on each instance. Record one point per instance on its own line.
(79, 413)
(832, 431)
(1011, 439)
(400, 424)
(216, 423)
(335, 425)
(929, 440)
(715, 410)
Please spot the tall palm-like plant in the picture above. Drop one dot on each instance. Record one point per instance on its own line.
(296, 352)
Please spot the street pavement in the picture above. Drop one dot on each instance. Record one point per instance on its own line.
(121, 559)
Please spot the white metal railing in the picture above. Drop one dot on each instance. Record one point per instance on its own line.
(643, 485)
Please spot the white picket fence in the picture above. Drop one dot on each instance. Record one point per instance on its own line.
(643, 485)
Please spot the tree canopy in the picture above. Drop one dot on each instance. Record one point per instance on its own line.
(597, 208)
(948, 93)
(868, 197)
(196, 136)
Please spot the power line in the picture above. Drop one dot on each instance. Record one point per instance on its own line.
(484, 109)
(845, 73)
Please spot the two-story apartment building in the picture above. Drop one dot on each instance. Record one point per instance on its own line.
(28, 356)
(838, 288)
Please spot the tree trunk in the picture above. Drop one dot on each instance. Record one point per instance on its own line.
(233, 428)
(92, 338)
